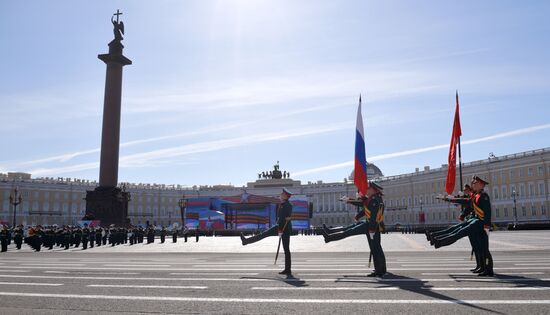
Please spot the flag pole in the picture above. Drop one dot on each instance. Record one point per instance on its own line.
(459, 154)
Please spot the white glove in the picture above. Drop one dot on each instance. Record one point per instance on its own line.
(344, 198)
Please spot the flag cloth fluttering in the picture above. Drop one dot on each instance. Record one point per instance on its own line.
(455, 138)
(360, 172)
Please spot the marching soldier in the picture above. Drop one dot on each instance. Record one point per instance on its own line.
(466, 215)
(477, 228)
(374, 212)
(162, 235)
(372, 209)
(92, 237)
(358, 228)
(18, 236)
(283, 228)
(85, 236)
(174, 235)
(4, 238)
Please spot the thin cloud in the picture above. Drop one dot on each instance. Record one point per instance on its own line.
(507, 134)
(159, 157)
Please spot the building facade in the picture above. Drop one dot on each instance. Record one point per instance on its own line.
(523, 177)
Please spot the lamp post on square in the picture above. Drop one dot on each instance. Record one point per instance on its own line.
(15, 199)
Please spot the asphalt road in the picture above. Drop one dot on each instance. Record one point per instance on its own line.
(227, 283)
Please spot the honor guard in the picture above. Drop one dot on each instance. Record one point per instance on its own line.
(466, 215)
(477, 228)
(283, 228)
(4, 238)
(162, 235)
(18, 236)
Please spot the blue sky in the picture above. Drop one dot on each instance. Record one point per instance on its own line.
(221, 90)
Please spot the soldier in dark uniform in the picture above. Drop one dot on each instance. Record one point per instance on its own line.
(283, 228)
(67, 237)
(372, 209)
(174, 235)
(92, 237)
(476, 228)
(18, 236)
(4, 238)
(104, 236)
(37, 238)
(357, 228)
(466, 215)
(150, 235)
(85, 237)
(77, 237)
(162, 235)
(51, 237)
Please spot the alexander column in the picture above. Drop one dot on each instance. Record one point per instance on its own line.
(108, 202)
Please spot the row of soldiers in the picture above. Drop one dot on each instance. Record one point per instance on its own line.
(38, 237)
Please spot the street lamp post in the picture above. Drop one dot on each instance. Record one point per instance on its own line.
(182, 203)
(15, 199)
(421, 210)
(514, 194)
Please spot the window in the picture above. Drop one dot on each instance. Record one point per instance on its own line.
(521, 172)
(56, 196)
(504, 194)
(531, 189)
(542, 192)
(523, 211)
(533, 211)
(495, 178)
(495, 193)
(541, 171)
(522, 190)
(512, 174)
(498, 212)
(505, 212)
(542, 210)
(530, 171)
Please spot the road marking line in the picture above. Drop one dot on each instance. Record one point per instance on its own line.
(91, 273)
(396, 288)
(146, 286)
(33, 284)
(358, 279)
(46, 265)
(252, 300)
(323, 289)
(269, 269)
(19, 271)
(470, 274)
(214, 274)
(125, 265)
(533, 264)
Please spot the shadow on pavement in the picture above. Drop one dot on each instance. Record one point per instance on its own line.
(412, 285)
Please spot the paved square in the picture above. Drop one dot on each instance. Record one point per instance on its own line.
(220, 276)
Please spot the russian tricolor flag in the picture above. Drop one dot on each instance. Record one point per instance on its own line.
(360, 174)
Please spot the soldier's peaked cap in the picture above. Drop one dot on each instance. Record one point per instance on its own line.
(288, 192)
(376, 186)
(476, 178)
